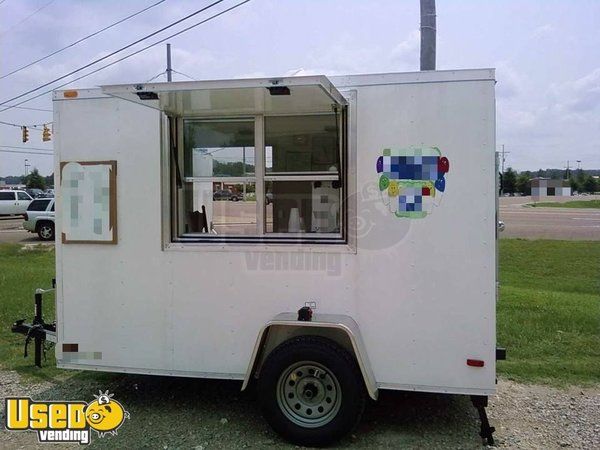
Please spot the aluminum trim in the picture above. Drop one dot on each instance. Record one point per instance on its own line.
(180, 373)
(435, 389)
(340, 322)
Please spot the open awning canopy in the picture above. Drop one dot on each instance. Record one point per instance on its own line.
(301, 95)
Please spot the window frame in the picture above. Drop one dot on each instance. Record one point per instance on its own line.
(177, 237)
(260, 178)
(312, 176)
(171, 126)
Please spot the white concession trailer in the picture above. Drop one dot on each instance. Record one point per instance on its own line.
(324, 238)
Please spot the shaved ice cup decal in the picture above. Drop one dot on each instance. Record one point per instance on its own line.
(411, 181)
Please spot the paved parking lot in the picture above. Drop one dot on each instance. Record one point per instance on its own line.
(11, 231)
(548, 223)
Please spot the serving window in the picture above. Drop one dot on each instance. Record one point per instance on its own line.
(251, 160)
(259, 178)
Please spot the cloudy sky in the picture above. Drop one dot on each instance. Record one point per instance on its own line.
(547, 56)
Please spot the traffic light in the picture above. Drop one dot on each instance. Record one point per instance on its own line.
(46, 134)
(25, 132)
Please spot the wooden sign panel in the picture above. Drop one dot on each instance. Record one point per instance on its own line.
(89, 202)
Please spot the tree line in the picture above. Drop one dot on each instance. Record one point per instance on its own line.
(520, 182)
(32, 181)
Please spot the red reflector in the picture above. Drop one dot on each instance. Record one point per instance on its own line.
(475, 362)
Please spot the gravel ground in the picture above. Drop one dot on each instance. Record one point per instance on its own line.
(204, 414)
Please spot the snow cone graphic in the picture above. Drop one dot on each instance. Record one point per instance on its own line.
(412, 181)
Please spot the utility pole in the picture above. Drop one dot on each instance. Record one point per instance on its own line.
(169, 70)
(503, 158)
(26, 167)
(428, 30)
(567, 171)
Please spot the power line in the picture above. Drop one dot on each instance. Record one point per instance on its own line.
(32, 109)
(28, 17)
(113, 53)
(33, 126)
(181, 73)
(10, 124)
(28, 148)
(131, 54)
(156, 76)
(83, 39)
(26, 153)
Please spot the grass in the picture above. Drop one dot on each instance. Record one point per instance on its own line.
(548, 312)
(570, 204)
(21, 272)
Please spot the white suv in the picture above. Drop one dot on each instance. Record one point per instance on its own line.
(14, 202)
(39, 218)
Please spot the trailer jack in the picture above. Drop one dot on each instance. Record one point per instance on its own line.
(480, 402)
(38, 330)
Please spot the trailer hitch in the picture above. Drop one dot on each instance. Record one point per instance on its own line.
(33, 330)
(38, 330)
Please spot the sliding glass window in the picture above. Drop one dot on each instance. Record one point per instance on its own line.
(302, 174)
(261, 178)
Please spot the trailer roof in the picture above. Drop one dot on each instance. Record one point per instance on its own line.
(245, 96)
(426, 76)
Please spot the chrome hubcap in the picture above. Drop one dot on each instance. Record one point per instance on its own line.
(309, 394)
(46, 232)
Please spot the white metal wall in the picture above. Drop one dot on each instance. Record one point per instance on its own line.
(421, 290)
(426, 302)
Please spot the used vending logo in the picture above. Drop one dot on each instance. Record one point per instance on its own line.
(66, 421)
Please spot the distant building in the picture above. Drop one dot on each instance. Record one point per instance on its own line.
(545, 187)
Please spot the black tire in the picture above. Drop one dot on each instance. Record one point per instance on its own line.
(339, 368)
(45, 231)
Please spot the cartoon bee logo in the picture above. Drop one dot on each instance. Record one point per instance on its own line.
(105, 415)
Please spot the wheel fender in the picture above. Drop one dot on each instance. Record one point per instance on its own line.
(40, 222)
(340, 328)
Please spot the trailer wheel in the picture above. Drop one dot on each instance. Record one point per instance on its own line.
(311, 391)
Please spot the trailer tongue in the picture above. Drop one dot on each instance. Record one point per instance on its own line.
(38, 330)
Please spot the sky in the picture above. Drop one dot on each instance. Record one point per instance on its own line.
(546, 54)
